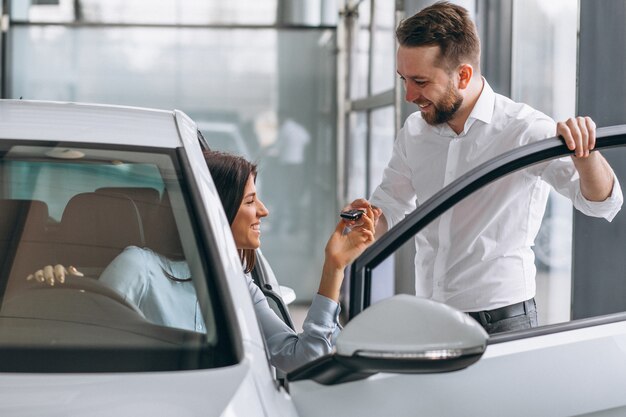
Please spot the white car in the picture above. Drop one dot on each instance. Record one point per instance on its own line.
(82, 182)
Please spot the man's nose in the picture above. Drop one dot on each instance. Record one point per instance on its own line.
(412, 92)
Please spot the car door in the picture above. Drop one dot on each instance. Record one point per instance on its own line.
(575, 367)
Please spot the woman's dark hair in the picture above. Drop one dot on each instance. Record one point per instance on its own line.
(230, 174)
(446, 25)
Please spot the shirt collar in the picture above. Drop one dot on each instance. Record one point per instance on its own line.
(483, 109)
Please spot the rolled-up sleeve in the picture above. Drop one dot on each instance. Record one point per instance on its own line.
(563, 177)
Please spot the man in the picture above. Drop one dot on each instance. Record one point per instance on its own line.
(477, 257)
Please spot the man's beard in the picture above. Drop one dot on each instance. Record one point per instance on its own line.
(446, 108)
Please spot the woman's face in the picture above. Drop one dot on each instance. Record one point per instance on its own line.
(246, 227)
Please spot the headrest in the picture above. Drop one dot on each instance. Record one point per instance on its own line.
(22, 218)
(162, 232)
(101, 221)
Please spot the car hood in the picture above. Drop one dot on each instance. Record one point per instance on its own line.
(224, 391)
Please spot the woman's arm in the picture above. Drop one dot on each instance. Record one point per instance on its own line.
(287, 349)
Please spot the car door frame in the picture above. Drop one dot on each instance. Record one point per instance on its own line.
(486, 173)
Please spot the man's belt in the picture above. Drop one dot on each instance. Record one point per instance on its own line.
(513, 310)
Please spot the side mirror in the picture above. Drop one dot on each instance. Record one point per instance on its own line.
(401, 334)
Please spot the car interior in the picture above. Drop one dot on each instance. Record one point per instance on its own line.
(95, 227)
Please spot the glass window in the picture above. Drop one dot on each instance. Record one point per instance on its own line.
(357, 156)
(382, 140)
(178, 12)
(206, 72)
(544, 76)
(239, 92)
(147, 11)
(369, 155)
(383, 48)
(544, 55)
(373, 53)
(360, 53)
(119, 218)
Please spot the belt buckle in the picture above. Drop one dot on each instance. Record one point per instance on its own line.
(485, 317)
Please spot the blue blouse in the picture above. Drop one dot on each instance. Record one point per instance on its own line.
(141, 276)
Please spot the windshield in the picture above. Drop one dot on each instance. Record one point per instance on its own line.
(116, 222)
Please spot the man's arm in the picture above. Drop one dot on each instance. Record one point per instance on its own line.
(596, 175)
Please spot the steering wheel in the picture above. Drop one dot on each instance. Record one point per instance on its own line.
(89, 285)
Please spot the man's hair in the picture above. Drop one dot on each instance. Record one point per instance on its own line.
(230, 174)
(445, 25)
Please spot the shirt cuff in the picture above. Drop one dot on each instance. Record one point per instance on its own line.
(391, 217)
(609, 207)
(324, 311)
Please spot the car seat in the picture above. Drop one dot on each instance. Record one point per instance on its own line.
(95, 228)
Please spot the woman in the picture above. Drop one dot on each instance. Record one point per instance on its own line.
(234, 179)
(162, 290)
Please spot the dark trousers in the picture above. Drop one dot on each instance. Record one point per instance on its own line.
(505, 319)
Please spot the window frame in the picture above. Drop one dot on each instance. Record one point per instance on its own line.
(225, 351)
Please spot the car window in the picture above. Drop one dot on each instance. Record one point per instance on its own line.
(568, 287)
(120, 218)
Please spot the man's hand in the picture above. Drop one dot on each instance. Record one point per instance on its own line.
(344, 246)
(596, 176)
(380, 224)
(52, 274)
(579, 134)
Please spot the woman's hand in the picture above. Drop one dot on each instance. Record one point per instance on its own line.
(52, 274)
(347, 242)
(350, 239)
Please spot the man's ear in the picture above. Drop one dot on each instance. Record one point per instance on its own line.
(465, 72)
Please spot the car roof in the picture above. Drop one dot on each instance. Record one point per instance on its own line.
(90, 123)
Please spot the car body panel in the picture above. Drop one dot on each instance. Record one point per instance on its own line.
(232, 392)
(552, 375)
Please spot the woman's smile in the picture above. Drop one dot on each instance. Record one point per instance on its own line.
(247, 224)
